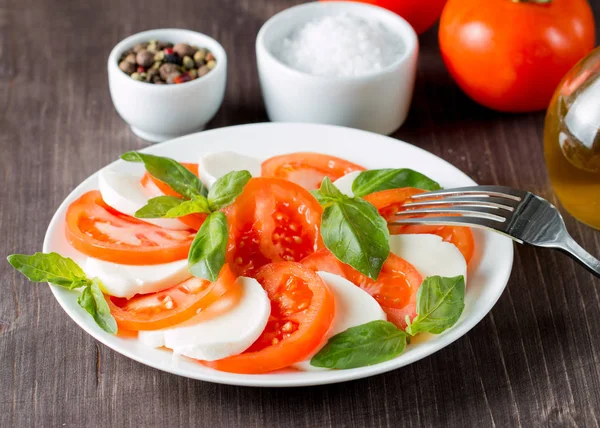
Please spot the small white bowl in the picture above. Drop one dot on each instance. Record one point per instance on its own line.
(377, 102)
(162, 112)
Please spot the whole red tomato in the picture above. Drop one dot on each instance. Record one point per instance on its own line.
(421, 14)
(511, 55)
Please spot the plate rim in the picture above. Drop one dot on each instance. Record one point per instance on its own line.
(443, 340)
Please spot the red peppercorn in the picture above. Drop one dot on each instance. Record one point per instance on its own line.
(182, 78)
(140, 69)
(168, 51)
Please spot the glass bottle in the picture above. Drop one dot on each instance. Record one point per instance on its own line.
(572, 141)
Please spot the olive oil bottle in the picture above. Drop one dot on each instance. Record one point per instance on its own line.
(572, 141)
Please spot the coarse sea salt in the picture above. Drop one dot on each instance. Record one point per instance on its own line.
(341, 45)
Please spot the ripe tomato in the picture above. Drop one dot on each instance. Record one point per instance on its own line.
(98, 231)
(395, 288)
(421, 14)
(302, 309)
(307, 169)
(175, 305)
(389, 202)
(272, 220)
(157, 187)
(511, 55)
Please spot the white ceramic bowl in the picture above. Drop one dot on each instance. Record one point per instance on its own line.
(377, 102)
(162, 112)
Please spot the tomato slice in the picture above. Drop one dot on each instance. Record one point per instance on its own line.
(157, 187)
(175, 305)
(389, 202)
(272, 220)
(99, 231)
(307, 169)
(302, 309)
(395, 288)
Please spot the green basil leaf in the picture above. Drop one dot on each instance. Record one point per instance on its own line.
(227, 188)
(440, 303)
(92, 300)
(363, 345)
(198, 204)
(376, 180)
(168, 170)
(50, 267)
(207, 253)
(356, 234)
(328, 193)
(158, 207)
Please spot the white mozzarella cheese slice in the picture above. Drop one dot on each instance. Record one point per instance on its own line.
(128, 280)
(125, 193)
(353, 307)
(213, 166)
(227, 334)
(344, 184)
(429, 254)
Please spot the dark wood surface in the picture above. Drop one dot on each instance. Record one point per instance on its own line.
(533, 361)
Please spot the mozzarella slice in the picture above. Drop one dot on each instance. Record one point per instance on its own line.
(227, 334)
(353, 307)
(429, 254)
(344, 184)
(213, 166)
(128, 280)
(125, 193)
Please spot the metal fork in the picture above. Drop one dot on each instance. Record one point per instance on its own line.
(522, 216)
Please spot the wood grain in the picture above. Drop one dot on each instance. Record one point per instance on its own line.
(534, 361)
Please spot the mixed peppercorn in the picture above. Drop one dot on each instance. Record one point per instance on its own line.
(160, 62)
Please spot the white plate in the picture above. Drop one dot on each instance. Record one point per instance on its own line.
(488, 272)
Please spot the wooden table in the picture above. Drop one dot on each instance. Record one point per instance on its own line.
(534, 360)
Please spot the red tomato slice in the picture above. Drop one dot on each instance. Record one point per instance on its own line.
(395, 289)
(389, 202)
(194, 221)
(302, 309)
(98, 231)
(177, 304)
(307, 169)
(272, 220)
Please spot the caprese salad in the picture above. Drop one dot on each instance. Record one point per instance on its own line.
(252, 267)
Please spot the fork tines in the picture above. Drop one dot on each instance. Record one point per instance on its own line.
(484, 206)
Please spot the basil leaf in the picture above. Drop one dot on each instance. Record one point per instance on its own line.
(440, 302)
(158, 207)
(363, 345)
(328, 193)
(376, 180)
(92, 300)
(356, 234)
(198, 204)
(227, 188)
(207, 253)
(50, 267)
(168, 170)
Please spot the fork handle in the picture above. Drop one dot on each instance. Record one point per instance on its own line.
(570, 247)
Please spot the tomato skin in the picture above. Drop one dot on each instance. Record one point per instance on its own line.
(279, 347)
(151, 311)
(395, 289)
(510, 56)
(421, 14)
(272, 220)
(389, 202)
(89, 210)
(307, 169)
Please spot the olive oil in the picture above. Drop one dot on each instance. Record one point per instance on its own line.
(572, 141)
